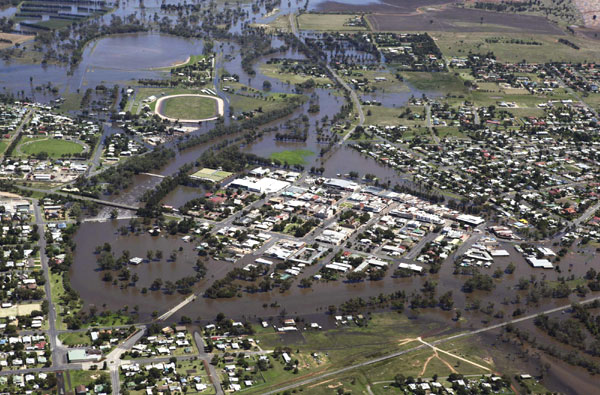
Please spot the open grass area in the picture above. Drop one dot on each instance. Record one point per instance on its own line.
(255, 102)
(436, 82)
(72, 101)
(57, 290)
(193, 59)
(75, 338)
(379, 115)
(189, 107)
(3, 146)
(334, 22)
(461, 44)
(211, 174)
(280, 24)
(55, 148)
(379, 80)
(294, 157)
(81, 377)
(346, 345)
(55, 23)
(419, 363)
(20, 309)
(593, 100)
(14, 39)
(272, 70)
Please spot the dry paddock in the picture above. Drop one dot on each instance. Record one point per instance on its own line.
(456, 19)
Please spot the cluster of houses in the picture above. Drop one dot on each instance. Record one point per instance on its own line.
(119, 145)
(58, 170)
(170, 341)
(584, 77)
(162, 377)
(26, 382)
(24, 352)
(21, 274)
(11, 116)
(484, 384)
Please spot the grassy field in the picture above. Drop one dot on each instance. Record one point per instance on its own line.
(75, 338)
(14, 38)
(593, 100)
(281, 23)
(193, 59)
(81, 377)
(211, 174)
(347, 345)
(189, 107)
(72, 101)
(272, 70)
(20, 309)
(3, 146)
(419, 363)
(390, 85)
(294, 157)
(334, 22)
(55, 23)
(55, 148)
(379, 115)
(269, 102)
(438, 82)
(57, 290)
(461, 44)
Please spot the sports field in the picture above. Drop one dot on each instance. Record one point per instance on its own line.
(55, 148)
(211, 174)
(295, 157)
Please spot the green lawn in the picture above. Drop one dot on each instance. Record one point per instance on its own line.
(75, 338)
(439, 82)
(3, 146)
(273, 71)
(262, 102)
(57, 290)
(56, 23)
(380, 115)
(79, 377)
(55, 148)
(188, 107)
(295, 157)
(72, 101)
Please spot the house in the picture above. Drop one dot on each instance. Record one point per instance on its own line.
(80, 390)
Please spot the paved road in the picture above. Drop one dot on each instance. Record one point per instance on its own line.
(58, 351)
(433, 343)
(113, 359)
(211, 370)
